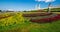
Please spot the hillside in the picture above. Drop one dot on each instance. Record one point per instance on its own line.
(53, 9)
(45, 10)
(18, 23)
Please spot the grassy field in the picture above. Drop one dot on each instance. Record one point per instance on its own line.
(18, 23)
(38, 12)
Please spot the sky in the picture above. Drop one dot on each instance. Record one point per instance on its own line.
(21, 5)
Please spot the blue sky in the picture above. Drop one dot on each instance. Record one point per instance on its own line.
(23, 4)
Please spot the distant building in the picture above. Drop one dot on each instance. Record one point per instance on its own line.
(8, 11)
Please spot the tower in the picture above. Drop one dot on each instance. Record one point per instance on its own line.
(37, 6)
(49, 7)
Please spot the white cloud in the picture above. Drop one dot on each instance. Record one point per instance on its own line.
(39, 0)
(49, 0)
(45, 0)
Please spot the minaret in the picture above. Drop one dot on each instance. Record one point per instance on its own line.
(37, 6)
(49, 7)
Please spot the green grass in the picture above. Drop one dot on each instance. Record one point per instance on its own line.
(24, 25)
(35, 27)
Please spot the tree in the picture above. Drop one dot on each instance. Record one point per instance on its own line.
(24, 11)
(0, 10)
